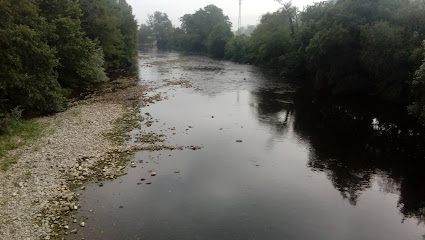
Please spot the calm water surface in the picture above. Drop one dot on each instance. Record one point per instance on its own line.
(307, 168)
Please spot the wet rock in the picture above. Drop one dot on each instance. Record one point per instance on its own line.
(194, 147)
(64, 209)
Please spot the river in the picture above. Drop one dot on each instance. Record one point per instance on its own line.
(276, 162)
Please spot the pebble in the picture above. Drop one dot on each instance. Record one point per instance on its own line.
(64, 209)
(238, 141)
(76, 140)
(153, 173)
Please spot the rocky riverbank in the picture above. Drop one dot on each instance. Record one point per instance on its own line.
(77, 143)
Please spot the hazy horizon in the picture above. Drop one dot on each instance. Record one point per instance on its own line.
(252, 10)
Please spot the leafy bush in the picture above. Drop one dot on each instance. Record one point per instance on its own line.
(9, 120)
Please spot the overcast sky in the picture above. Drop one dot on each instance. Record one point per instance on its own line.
(251, 9)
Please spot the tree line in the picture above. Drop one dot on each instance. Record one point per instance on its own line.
(345, 47)
(48, 47)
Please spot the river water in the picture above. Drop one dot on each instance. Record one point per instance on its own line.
(307, 167)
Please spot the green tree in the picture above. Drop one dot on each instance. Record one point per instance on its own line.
(291, 13)
(197, 28)
(386, 59)
(271, 39)
(80, 59)
(28, 78)
(217, 39)
(238, 49)
(128, 29)
(145, 35)
(162, 28)
(417, 108)
(112, 24)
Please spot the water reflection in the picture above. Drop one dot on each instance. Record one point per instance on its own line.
(280, 182)
(348, 148)
(354, 142)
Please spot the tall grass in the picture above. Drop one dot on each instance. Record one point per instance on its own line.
(15, 132)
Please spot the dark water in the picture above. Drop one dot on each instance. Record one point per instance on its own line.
(308, 168)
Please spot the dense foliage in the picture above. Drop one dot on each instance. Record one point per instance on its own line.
(206, 31)
(79, 58)
(145, 36)
(27, 63)
(112, 24)
(47, 46)
(161, 28)
(345, 47)
(417, 108)
(351, 47)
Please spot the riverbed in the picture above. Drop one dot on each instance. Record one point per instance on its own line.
(273, 162)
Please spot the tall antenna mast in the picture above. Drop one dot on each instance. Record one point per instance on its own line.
(240, 17)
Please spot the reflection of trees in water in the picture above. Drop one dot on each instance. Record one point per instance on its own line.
(337, 147)
(275, 110)
(344, 145)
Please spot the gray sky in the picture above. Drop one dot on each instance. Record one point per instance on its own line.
(251, 9)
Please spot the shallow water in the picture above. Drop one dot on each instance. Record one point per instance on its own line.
(307, 168)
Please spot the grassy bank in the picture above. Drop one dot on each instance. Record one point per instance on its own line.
(19, 133)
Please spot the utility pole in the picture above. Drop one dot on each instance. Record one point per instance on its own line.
(240, 17)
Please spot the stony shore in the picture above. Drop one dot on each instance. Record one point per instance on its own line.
(75, 140)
